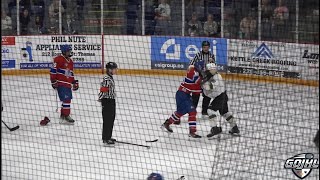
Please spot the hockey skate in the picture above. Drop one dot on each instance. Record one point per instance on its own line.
(192, 133)
(66, 120)
(109, 143)
(166, 127)
(214, 131)
(235, 131)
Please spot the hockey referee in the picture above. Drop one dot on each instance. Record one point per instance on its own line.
(107, 97)
(207, 57)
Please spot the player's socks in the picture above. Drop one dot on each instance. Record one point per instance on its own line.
(234, 130)
(214, 131)
(166, 126)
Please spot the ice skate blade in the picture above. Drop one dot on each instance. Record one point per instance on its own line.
(109, 145)
(218, 136)
(66, 123)
(235, 134)
(194, 138)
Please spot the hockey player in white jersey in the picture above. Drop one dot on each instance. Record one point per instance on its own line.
(214, 87)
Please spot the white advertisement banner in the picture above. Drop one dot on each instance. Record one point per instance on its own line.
(37, 52)
(273, 59)
(130, 52)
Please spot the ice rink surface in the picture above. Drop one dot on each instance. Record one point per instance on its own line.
(276, 123)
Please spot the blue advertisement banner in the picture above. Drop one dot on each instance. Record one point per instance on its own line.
(48, 65)
(8, 63)
(35, 65)
(176, 52)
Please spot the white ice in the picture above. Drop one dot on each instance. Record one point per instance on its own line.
(276, 122)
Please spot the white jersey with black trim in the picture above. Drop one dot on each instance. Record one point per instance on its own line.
(217, 84)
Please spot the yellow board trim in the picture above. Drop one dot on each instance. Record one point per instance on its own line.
(241, 77)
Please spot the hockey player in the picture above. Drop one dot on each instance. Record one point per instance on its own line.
(206, 56)
(107, 98)
(213, 86)
(62, 79)
(191, 84)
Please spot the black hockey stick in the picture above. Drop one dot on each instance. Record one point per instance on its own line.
(11, 129)
(153, 140)
(133, 144)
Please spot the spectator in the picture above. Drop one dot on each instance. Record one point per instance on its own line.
(280, 21)
(266, 15)
(131, 13)
(25, 4)
(230, 27)
(39, 8)
(248, 26)
(149, 17)
(69, 25)
(6, 28)
(210, 27)
(194, 26)
(96, 7)
(195, 6)
(162, 18)
(24, 22)
(80, 5)
(37, 25)
(54, 16)
(54, 9)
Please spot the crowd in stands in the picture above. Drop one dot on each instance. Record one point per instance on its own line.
(163, 17)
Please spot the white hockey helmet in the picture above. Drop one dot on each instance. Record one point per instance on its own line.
(212, 67)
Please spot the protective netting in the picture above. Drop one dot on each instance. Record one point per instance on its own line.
(265, 51)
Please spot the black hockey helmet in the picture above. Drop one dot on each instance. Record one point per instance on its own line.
(111, 65)
(205, 43)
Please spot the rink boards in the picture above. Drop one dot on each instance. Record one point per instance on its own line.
(165, 55)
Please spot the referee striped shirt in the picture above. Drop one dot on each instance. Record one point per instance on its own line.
(206, 57)
(108, 82)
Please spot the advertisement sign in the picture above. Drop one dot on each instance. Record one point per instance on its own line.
(38, 52)
(7, 52)
(310, 57)
(8, 63)
(8, 40)
(176, 52)
(264, 58)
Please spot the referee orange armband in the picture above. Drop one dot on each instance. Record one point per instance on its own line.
(104, 89)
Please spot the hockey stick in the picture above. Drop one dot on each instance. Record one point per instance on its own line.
(153, 140)
(57, 109)
(11, 129)
(148, 147)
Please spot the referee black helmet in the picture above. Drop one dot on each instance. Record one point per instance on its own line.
(205, 43)
(111, 65)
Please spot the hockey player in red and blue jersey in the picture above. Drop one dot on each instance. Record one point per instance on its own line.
(190, 85)
(62, 79)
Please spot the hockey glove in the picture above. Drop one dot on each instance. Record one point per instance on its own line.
(54, 84)
(75, 85)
